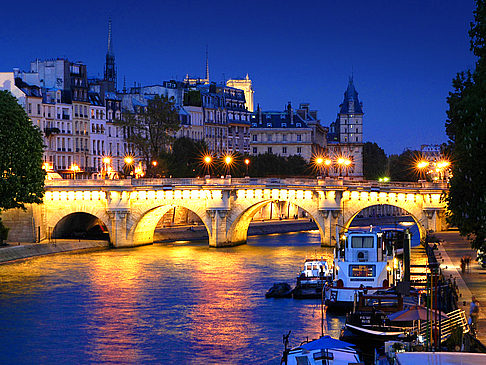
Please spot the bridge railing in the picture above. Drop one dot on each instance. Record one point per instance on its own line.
(231, 182)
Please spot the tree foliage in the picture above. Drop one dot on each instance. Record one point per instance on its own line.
(374, 161)
(185, 158)
(151, 129)
(466, 129)
(401, 167)
(21, 148)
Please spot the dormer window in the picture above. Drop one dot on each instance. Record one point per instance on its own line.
(269, 124)
(284, 124)
(299, 124)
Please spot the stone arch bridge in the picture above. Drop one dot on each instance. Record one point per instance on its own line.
(130, 209)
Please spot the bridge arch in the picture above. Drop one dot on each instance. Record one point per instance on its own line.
(60, 218)
(240, 219)
(415, 212)
(143, 223)
(80, 225)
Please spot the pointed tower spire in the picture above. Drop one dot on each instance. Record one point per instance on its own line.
(109, 50)
(207, 64)
(110, 68)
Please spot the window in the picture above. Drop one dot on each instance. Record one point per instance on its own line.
(255, 150)
(269, 149)
(284, 137)
(284, 124)
(284, 149)
(269, 125)
(362, 242)
(299, 124)
(254, 138)
(299, 137)
(269, 137)
(299, 150)
(362, 271)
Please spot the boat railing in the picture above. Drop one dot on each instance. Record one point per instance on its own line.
(456, 318)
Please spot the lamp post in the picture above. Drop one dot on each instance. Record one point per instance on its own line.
(106, 161)
(319, 161)
(228, 160)
(247, 163)
(74, 168)
(347, 165)
(421, 166)
(327, 163)
(208, 160)
(128, 164)
(442, 166)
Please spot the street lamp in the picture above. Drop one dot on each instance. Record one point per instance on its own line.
(207, 161)
(247, 163)
(74, 168)
(106, 161)
(228, 160)
(442, 166)
(127, 169)
(319, 161)
(421, 167)
(343, 163)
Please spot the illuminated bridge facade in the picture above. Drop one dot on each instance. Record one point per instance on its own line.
(131, 209)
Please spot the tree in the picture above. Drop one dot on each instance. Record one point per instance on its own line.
(22, 177)
(374, 161)
(401, 167)
(466, 129)
(185, 159)
(151, 129)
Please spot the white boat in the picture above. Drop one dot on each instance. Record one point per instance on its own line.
(325, 350)
(311, 280)
(365, 264)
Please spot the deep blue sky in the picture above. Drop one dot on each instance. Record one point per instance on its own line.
(404, 54)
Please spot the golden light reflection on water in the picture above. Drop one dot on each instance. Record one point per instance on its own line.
(114, 286)
(178, 302)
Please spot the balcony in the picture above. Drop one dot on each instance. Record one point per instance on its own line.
(50, 131)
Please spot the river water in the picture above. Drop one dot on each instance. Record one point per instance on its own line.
(181, 303)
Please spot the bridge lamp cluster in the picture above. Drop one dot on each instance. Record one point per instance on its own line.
(384, 179)
(341, 162)
(437, 168)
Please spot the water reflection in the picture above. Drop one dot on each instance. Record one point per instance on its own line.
(183, 302)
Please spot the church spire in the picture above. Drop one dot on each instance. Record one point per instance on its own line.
(109, 51)
(110, 68)
(207, 64)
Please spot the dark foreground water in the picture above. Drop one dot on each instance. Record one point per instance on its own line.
(183, 303)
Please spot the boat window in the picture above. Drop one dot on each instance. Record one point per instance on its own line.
(362, 271)
(362, 242)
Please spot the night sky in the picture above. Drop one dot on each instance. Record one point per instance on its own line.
(403, 54)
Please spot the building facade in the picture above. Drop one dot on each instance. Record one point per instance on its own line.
(290, 132)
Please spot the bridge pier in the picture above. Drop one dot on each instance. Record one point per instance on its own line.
(331, 217)
(435, 219)
(218, 232)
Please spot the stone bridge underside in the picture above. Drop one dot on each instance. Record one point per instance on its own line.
(131, 209)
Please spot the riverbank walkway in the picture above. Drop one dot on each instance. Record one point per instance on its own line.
(471, 282)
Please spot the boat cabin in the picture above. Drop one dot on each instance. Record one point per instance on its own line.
(315, 269)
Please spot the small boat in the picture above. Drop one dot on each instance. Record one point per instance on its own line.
(325, 350)
(279, 290)
(365, 264)
(311, 281)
